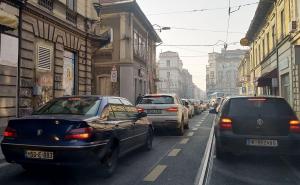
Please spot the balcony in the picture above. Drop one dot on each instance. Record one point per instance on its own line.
(47, 4)
(71, 16)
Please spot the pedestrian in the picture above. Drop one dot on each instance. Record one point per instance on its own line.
(138, 99)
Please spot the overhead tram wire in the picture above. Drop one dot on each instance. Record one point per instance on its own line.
(203, 10)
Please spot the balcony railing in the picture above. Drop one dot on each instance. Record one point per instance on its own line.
(47, 4)
(71, 16)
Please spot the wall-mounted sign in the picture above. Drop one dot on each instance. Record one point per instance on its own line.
(9, 50)
(114, 74)
(68, 73)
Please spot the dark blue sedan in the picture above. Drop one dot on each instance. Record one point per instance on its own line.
(77, 131)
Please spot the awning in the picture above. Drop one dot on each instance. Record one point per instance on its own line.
(266, 79)
(8, 20)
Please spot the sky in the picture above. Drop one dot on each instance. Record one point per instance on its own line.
(198, 28)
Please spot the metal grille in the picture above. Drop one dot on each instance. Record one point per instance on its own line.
(44, 58)
(71, 16)
(47, 4)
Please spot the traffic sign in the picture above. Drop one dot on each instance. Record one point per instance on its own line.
(114, 74)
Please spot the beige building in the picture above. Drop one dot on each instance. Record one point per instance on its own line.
(274, 50)
(132, 52)
(52, 50)
(246, 87)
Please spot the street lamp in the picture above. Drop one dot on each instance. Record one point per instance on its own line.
(97, 5)
(161, 28)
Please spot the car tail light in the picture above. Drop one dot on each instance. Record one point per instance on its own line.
(140, 109)
(10, 132)
(295, 126)
(225, 124)
(80, 133)
(172, 109)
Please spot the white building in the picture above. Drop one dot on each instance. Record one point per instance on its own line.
(170, 73)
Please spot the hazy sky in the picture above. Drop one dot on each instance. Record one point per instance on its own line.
(195, 58)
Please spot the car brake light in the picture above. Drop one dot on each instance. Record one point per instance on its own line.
(140, 109)
(172, 109)
(225, 124)
(80, 133)
(257, 99)
(295, 126)
(10, 132)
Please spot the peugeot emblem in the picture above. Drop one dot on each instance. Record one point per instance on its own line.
(260, 123)
(56, 122)
(39, 132)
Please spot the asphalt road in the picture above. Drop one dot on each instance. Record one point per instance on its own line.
(255, 170)
(174, 160)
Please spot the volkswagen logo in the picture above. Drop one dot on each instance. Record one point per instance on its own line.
(260, 123)
(39, 132)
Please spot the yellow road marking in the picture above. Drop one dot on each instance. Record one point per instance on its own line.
(190, 134)
(155, 173)
(174, 152)
(184, 141)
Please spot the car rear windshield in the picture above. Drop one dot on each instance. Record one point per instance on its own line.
(75, 106)
(157, 100)
(259, 106)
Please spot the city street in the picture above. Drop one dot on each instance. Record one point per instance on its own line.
(174, 160)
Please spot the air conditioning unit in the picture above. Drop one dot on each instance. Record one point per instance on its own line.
(293, 26)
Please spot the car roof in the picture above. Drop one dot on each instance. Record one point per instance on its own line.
(161, 94)
(90, 96)
(264, 96)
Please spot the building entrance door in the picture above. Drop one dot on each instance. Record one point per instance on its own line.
(104, 86)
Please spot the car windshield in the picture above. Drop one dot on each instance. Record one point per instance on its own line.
(157, 100)
(72, 106)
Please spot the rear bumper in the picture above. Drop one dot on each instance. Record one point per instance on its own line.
(287, 145)
(63, 155)
(164, 121)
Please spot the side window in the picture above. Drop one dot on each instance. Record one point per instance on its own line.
(115, 101)
(131, 110)
(119, 111)
(107, 113)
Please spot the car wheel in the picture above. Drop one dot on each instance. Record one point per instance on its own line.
(149, 140)
(180, 130)
(186, 126)
(109, 162)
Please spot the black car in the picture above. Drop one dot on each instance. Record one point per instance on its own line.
(77, 131)
(262, 125)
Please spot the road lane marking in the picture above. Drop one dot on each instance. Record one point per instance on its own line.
(190, 134)
(155, 173)
(198, 125)
(194, 129)
(174, 152)
(184, 141)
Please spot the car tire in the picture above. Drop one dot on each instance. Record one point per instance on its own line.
(109, 162)
(149, 140)
(180, 130)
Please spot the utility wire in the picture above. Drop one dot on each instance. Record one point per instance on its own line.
(197, 29)
(203, 10)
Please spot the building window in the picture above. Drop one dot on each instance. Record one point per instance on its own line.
(71, 14)
(47, 4)
(168, 74)
(282, 21)
(259, 54)
(285, 87)
(273, 36)
(69, 73)
(168, 63)
(263, 48)
(268, 43)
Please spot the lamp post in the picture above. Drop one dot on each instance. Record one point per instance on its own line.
(97, 5)
(161, 28)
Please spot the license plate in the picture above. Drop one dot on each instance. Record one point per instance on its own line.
(262, 142)
(154, 111)
(33, 154)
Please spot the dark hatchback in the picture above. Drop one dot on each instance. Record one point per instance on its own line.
(87, 130)
(260, 125)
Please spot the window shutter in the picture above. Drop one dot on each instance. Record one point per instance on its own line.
(44, 58)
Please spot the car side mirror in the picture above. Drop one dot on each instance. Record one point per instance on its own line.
(141, 115)
(213, 111)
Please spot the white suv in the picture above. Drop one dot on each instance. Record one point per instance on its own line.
(165, 110)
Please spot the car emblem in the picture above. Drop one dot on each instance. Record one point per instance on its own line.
(260, 123)
(39, 132)
(56, 122)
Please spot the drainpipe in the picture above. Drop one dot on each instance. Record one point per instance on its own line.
(21, 5)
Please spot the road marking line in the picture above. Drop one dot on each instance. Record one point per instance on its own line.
(190, 134)
(174, 152)
(155, 173)
(194, 129)
(198, 125)
(184, 141)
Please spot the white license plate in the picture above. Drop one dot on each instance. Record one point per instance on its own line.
(154, 111)
(262, 142)
(33, 154)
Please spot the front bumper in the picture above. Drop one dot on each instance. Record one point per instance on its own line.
(287, 145)
(63, 155)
